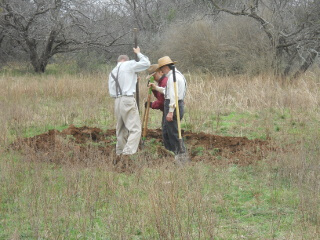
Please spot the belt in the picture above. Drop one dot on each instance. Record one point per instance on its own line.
(180, 100)
(125, 96)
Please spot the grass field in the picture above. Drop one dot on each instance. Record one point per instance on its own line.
(277, 198)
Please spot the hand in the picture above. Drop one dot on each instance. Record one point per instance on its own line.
(152, 85)
(136, 50)
(169, 117)
(146, 104)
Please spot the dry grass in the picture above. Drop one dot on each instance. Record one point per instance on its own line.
(278, 199)
(83, 99)
(252, 94)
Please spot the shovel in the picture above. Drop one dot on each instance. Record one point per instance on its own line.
(135, 31)
(146, 114)
(182, 157)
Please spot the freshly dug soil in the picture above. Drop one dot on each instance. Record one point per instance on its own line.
(92, 146)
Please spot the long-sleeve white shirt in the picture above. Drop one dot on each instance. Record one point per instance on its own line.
(127, 75)
(168, 91)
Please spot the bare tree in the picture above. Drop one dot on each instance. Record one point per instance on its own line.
(43, 28)
(292, 27)
(154, 15)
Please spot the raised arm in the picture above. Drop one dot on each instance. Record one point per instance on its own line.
(143, 63)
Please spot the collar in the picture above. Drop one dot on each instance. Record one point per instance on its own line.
(169, 73)
(161, 79)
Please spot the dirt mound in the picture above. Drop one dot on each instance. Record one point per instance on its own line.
(86, 145)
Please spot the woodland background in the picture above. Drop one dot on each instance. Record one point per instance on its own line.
(221, 37)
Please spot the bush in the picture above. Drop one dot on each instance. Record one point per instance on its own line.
(229, 46)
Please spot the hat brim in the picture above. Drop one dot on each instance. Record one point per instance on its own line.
(174, 62)
(150, 75)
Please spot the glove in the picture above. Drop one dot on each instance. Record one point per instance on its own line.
(146, 104)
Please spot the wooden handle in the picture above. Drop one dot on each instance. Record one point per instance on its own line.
(176, 100)
(146, 113)
(135, 31)
(145, 127)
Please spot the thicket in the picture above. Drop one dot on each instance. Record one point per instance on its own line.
(228, 46)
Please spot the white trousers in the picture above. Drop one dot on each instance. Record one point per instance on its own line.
(128, 128)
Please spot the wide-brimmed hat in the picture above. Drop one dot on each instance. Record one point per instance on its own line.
(165, 61)
(152, 70)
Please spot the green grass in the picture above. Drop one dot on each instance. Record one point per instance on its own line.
(36, 130)
(55, 69)
(43, 201)
(237, 124)
(265, 124)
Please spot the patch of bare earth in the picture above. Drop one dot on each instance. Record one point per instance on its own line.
(93, 146)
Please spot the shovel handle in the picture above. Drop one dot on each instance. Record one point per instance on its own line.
(176, 101)
(135, 31)
(146, 113)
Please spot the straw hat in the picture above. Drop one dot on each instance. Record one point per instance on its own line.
(165, 61)
(152, 70)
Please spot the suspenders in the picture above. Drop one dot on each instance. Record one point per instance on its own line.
(118, 88)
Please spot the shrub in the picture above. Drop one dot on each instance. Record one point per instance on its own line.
(223, 47)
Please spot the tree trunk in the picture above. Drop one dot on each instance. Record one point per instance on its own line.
(40, 63)
(39, 67)
(307, 63)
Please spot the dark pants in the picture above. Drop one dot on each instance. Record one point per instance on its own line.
(170, 129)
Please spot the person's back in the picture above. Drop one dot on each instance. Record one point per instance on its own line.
(126, 73)
(122, 87)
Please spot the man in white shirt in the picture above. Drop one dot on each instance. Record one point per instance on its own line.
(170, 125)
(122, 87)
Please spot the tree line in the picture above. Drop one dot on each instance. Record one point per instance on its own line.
(218, 36)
